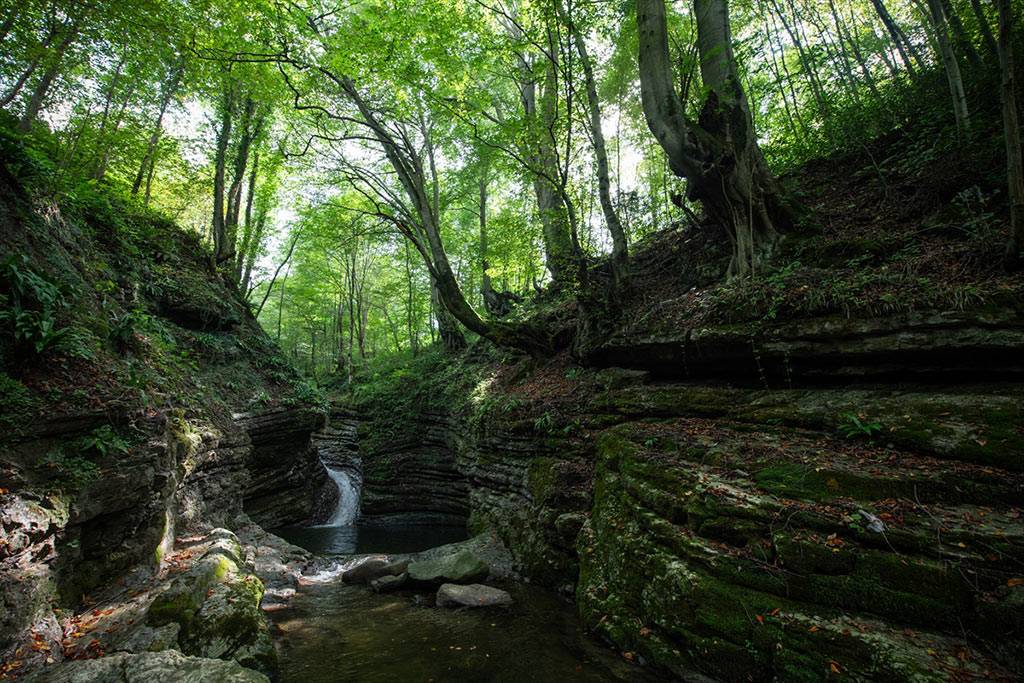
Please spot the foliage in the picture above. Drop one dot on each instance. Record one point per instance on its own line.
(856, 426)
(73, 463)
(29, 304)
(16, 403)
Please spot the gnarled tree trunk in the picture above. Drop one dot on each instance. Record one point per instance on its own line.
(719, 155)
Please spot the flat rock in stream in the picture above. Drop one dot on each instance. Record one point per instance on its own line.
(386, 584)
(473, 595)
(374, 568)
(462, 567)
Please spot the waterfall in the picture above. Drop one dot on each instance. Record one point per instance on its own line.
(348, 499)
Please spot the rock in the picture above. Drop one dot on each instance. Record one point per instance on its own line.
(148, 639)
(149, 667)
(568, 525)
(374, 568)
(463, 567)
(619, 378)
(386, 584)
(217, 606)
(473, 595)
(278, 490)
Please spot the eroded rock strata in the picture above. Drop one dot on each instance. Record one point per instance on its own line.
(786, 524)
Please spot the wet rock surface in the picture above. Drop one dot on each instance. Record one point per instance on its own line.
(472, 595)
(461, 567)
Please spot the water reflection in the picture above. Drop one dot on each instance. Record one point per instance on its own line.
(369, 537)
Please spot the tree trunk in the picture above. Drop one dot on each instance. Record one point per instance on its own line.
(27, 72)
(718, 156)
(963, 39)
(107, 103)
(250, 129)
(42, 89)
(149, 158)
(223, 137)
(104, 162)
(409, 312)
(486, 288)
(952, 68)
(280, 301)
(858, 56)
(983, 26)
(544, 162)
(255, 244)
(805, 62)
(899, 39)
(620, 248)
(248, 227)
(406, 161)
(1011, 128)
(447, 325)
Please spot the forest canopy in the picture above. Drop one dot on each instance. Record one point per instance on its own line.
(374, 176)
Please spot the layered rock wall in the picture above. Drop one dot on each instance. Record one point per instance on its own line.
(833, 503)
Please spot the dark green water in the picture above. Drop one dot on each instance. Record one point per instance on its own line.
(365, 538)
(335, 632)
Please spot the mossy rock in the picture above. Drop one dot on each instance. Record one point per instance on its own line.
(462, 567)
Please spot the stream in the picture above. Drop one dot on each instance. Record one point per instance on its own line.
(331, 631)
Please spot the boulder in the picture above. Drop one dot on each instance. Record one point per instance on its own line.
(150, 667)
(386, 584)
(473, 595)
(374, 568)
(462, 567)
(216, 604)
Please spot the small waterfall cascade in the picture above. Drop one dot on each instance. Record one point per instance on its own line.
(348, 498)
(338, 447)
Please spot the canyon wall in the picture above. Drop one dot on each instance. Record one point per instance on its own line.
(798, 502)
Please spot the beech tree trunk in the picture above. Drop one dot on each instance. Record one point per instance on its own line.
(899, 38)
(42, 89)
(949, 63)
(986, 30)
(447, 325)
(1011, 128)
(250, 129)
(223, 137)
(554, 215)
(405, 159)
(846, 37)
(963, 38)
(719, 155)
(250, 240)
(30, 69)
(170, 86)
(620, 247)
(486, 287)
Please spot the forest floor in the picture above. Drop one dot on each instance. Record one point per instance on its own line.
(901, 225)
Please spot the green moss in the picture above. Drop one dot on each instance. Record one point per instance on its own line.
(541, 477)
(17, 405)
